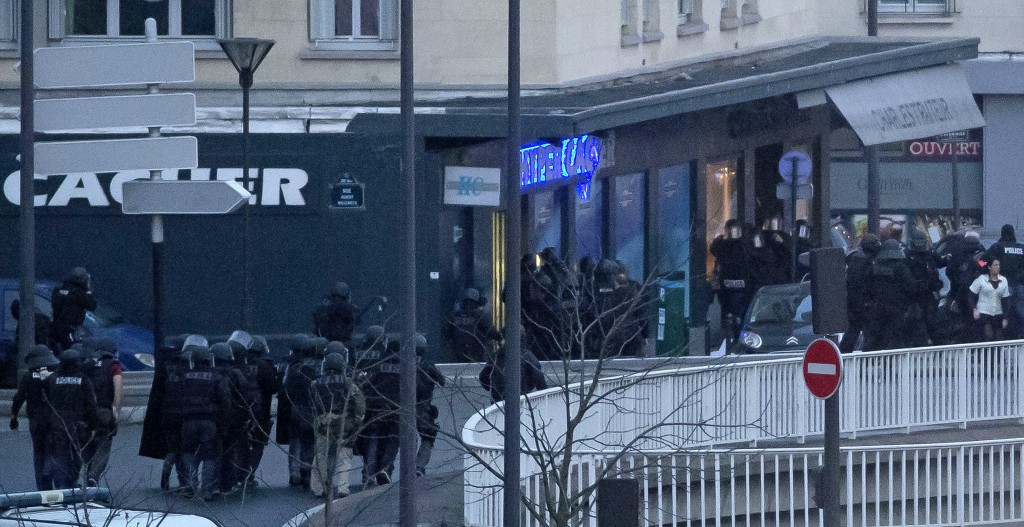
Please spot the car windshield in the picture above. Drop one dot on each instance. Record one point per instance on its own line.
(780, 306)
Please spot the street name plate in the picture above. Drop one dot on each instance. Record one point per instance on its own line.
(182, 197)
(172, 109)
(114, 65)
(115, 155)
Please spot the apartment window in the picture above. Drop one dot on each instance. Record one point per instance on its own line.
(629, 23)
(730, 19)
(8, 20)
(652, 21)
(748, 12)
(691, 20)
(931, 7)
(98, 19)
(354, 24)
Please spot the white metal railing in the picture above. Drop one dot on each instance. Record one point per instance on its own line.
(741, 403)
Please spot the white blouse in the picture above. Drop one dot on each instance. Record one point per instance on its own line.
(989, 298)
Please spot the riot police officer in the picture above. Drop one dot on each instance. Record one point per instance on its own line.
(70, 301)
(339, 408)
(259, 367)
(428, 377)
(335, 317)
(233, 461)
(205, 397)
(371, 352)
(732, 283)
(889, 290)
(380, 429)
(251, 401)
(40, 363)
(924, 265)
(70, 395)
(492, 376)
(779, 243)
(173, 381)
(1010, 254)
(104, 370)
(297, 381)
(858, 264)
(470, 330)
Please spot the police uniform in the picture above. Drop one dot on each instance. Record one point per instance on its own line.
(381, 424)
(205, 397)
(890, 286)
(733, 284)
(40, 363)
(173, 381)
(104, 370)
(73, 418)
(70, 301)
(427, 378)
(470, 331)
(233, 424)
(258, 367)
(1010, 254)
(339, 408)
(297, 381)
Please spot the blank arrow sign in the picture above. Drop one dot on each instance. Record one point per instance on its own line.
(171, 109)
(182, 197)
(114, 155)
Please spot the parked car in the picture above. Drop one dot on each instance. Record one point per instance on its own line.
(134, 343)
(778, 320)
(71, 507)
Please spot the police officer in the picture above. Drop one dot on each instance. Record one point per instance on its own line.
(963, 267)
(40, 363)
(779, 243)
(924, 265)
(251, 400)
(803, 246)
(890, 285)
(284, 405)
(371, 352)
(234, 422)
(428, 377)
(104, 370)
(259, 367)
(380, 428)
(492, 376)
(205, 397)
(858, 265)
(732, 282)
(70, 302)
(173, 380)
(337, 316)
(70, 395)
(339, 408)
(297, 380)
(1010, 254)
(470, 330)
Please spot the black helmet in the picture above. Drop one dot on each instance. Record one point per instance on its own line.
(192, 343)
(334, 362)
(338, 348)
(319, 346)
(78, 275)
(240, 342)
(201, 354)
(300, 342)
(871, 244)
(918, 241)
(472, 294)
(173, 346)
(341, 289)
(375, 335)
(222, 351)
(40, 356)
(104, 348)
(891, 250)
(71, 355)
(607, 267)
(259, 348)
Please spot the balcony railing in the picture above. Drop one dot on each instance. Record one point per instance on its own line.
(915, 7)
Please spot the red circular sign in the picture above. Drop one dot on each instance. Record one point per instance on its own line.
(823, 368)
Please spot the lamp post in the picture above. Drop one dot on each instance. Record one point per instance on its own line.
(246, 54)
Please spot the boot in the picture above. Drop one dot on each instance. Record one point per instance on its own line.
(165, 478)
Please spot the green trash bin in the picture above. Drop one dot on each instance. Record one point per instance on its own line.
(671, 318)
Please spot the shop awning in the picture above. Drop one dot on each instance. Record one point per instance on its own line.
(908, 105)
(736, 77)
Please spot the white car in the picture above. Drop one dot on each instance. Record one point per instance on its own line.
(73, 508)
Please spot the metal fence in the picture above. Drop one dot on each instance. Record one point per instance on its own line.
(667, 413)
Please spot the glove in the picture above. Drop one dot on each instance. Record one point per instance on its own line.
(14, 423)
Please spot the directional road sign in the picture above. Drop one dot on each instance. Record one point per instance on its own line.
(115, 155)
(823, 368)
(114, 65)
(182, 197)
(172, 109)
(803, 166)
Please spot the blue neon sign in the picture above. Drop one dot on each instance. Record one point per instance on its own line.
(576, 158)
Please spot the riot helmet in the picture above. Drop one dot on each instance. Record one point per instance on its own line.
(222, 351)
(375, 336)
(71, 356)
(334, 363)
(40, 356)
(733, 229)
(803, 229)
(201, 354)
(79, 276)
(194, 342)
(341, 289)
(871, 244)
(240, 342)
(337, 348)
(772, 224)
(259, 348)
(891, 250)
(319, 347)
(104, 348)
(918, 241)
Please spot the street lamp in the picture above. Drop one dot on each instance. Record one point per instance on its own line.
(246, 54)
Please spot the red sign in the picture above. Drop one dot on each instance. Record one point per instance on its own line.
(823, 368)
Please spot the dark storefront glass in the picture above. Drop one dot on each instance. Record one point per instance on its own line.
(630, 218)
(547, 221)
(589, 221)
(674, 219)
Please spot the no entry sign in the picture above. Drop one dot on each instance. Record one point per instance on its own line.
(823, 368)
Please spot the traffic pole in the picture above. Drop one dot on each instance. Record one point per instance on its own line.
(832, 459)
(156, 232)
(792, 204)
(408, 437)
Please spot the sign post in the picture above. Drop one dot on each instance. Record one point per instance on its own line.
(823, 373)
(795, 169)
